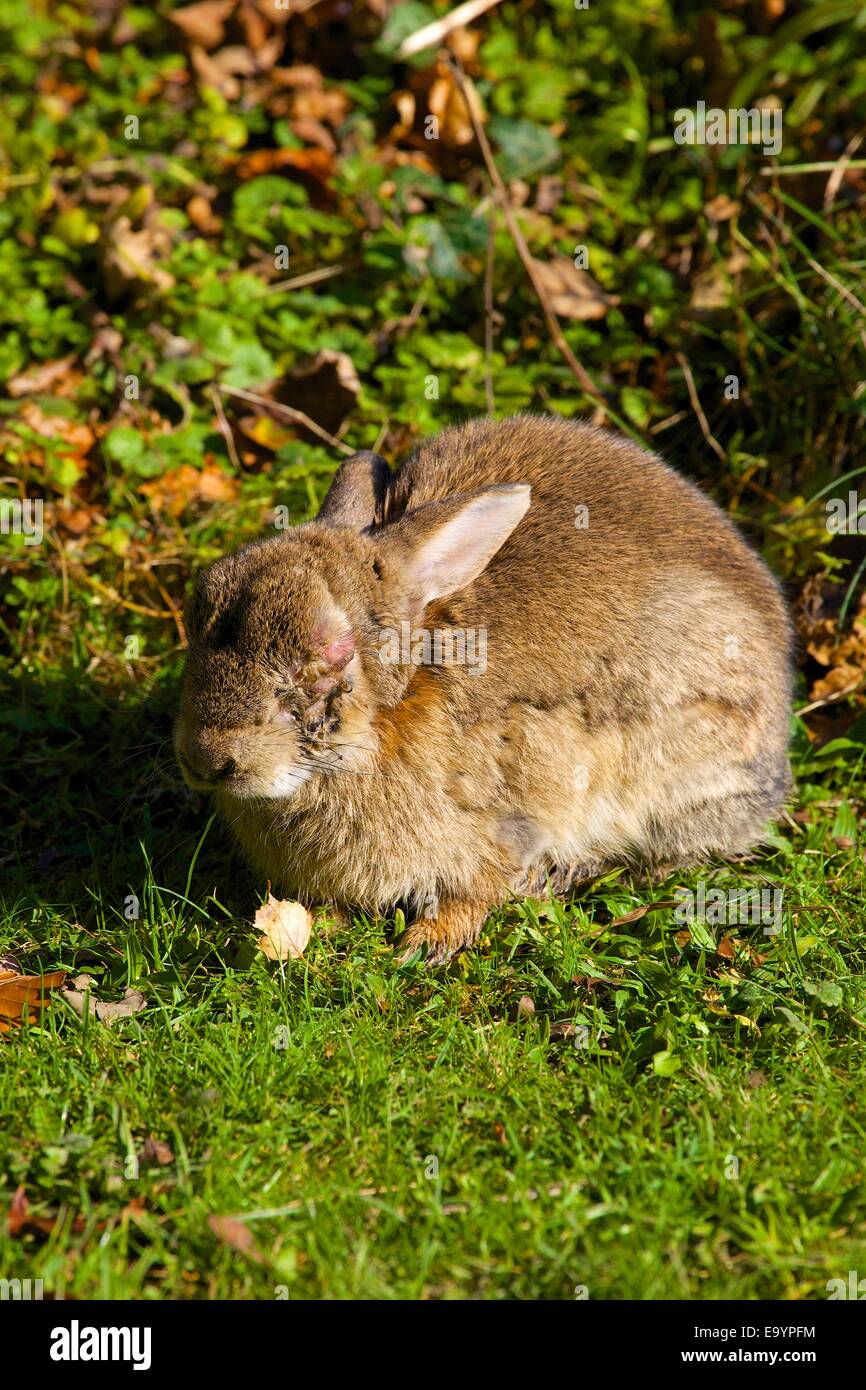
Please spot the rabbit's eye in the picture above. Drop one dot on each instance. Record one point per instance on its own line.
(286, 699)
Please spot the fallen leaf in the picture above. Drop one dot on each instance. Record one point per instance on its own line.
(317, 163)
(201, 214)
(638, 912)
(131, 258)
(721, 208)
(325, 388)
(76, 520)
(16, 1219)
(572, 292)
(204, 23)
(39, 377)
(157, 1151)
(83, 1000)
(19, 1218)
(23, 997)
(711, 290)
(285, 928)
(77, 438)
(180, 487)
(237, 1236)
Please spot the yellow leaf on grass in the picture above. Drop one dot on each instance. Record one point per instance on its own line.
(285, 928)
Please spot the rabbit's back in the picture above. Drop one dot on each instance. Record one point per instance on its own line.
(623, 586)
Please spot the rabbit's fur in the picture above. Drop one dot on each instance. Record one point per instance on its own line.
(634, 705)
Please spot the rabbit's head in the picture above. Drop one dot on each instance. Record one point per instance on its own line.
(285, 674)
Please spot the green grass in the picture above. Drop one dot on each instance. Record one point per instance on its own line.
(708, 1140)
(391, 1132)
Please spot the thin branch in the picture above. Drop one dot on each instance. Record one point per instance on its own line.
(835, 180)
(488, 313)
(473, 105)
(698, 409)
(311, 277)
(830, 700)
(440, 28)
(225, 429)
(297, 417)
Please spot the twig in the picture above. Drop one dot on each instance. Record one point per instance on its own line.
(297, 417)
(698, 409)
(225, 428)
(311, 277)
(813, 264)
(470, 96)
(831, 699)
(488, 313)
(835, 180)
(124, 602)
(175, 611)
(440, 28)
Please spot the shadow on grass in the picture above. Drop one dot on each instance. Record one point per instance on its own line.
(91, 798)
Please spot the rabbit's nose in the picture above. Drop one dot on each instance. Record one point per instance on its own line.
(206, 760)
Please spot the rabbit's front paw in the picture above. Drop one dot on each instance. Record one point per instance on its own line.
(456, 925)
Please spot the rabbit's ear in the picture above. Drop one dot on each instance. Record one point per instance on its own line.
(443, 546)
(356, 497)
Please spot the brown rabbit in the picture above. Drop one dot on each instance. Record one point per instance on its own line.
(532, 653)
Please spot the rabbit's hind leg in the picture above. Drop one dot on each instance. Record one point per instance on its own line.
(456, 925)
(717, 826)
(545, 877)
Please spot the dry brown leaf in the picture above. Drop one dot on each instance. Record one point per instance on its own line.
(285, 928)
(266, 432)
(39, 376)
(253, 24)
(237, 1236)
(317, 163)
(180, 487)
(23, 997)
(19, 1219)
(711, 290)
(638, 912)
(17, 1216)
(573, 293)
(76, 520)
(210, 74)
(78, 438)
(204, 23)
(446, 102)
(157, 1151)
(131, 258)
(721, 208)
(201, 214)
(325, 388)
(82, 999)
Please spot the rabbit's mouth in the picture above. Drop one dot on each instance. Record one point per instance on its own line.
(237, 784)
(205, 781)
(278, 784)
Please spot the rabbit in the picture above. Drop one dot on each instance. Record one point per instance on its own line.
(631, 705)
